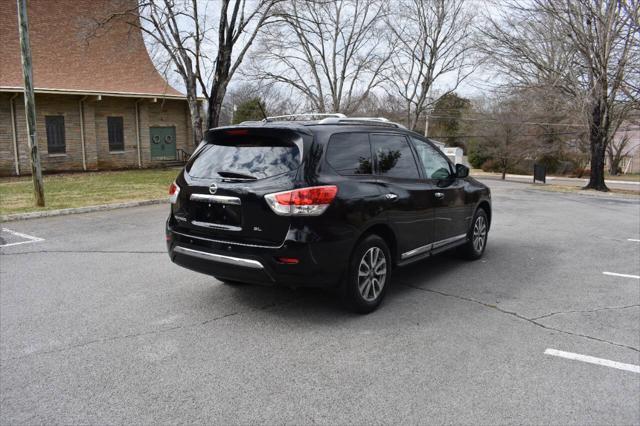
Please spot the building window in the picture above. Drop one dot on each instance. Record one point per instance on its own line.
(55, 134)
(116, 133)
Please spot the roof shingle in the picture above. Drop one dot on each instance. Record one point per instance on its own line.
(65, 59)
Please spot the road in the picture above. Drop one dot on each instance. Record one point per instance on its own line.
(97, 326)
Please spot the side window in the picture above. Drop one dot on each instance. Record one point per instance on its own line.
(434, 164)
(116, 133)
(56, 143)
(394, 157)
(350, 153)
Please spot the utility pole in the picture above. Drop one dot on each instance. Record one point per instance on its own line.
(426, 124)
(29, 102)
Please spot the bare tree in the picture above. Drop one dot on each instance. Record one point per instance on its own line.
(187, 42)
(616, 151)
(508, 138)
(275, 100)
(236, 21)
(621, 144)
(434, 39)
(331, 52)
(583, 48)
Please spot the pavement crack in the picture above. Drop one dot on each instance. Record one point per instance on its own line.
(521, 317)
(612, 308)
(148, 333)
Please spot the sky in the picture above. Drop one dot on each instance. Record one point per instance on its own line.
(481, 81)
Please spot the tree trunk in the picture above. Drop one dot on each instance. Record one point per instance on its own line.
(214, 107)
(219, 85)
(597, 141)
(504, 173)
(195, 111)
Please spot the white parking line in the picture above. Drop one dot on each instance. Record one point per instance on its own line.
(615, 274)
(634, 240)
(30, 238)
(593, 360)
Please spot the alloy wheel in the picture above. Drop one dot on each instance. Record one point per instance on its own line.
(479, 234)
(372, 274)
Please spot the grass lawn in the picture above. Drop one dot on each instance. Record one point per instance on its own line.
(86, 189)
(579, 190)
(632, 177)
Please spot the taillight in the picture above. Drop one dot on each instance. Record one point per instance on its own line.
(174, 190)
(311, 201)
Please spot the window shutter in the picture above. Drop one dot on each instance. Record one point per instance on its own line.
(115, 129)
(56, 143)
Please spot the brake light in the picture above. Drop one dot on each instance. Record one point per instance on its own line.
(174, 190)
(311, 201)
(237, 132)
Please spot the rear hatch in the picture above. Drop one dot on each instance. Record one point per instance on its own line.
(226, 181)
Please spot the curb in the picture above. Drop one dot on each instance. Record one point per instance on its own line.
(88, 209)
(523, 178)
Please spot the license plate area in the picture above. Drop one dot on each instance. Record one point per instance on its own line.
(216, 212)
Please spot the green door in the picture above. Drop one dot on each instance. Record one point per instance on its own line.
(163, 143)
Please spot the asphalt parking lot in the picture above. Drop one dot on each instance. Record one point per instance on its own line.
(98, 326)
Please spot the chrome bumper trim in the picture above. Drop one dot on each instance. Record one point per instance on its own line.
(215, 199)
(229, 260)
(231, 243)
(216, 226)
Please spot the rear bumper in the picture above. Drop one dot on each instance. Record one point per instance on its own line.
(320, 263)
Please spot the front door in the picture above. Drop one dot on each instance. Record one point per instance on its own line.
(450, 221)
(163, 143)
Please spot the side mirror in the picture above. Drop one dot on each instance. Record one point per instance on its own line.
(462, 171)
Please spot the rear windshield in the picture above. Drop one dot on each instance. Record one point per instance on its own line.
(248, 157)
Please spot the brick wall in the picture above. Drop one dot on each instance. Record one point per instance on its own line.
(66, 106)
(116, 107)
(171, 113)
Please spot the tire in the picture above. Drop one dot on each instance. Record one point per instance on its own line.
(363, 288)
(477, 236)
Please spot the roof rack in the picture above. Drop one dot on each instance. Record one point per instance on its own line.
(306, 116)
(379, 121)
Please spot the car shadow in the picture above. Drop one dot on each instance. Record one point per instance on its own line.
(305, 305)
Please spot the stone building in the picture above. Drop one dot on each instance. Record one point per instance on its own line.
(100, 102)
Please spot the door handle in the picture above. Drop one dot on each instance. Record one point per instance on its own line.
(439, 195)
(391, 196)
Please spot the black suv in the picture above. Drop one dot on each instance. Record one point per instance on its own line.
(335, 202)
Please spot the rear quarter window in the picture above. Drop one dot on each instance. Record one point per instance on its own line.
(350, 153)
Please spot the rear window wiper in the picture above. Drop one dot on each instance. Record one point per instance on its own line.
(236, 175)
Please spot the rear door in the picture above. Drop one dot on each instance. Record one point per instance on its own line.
(228, 178)
(450, 222)
(409, 199)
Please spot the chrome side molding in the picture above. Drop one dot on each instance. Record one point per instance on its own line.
(432, 246)
(229, 260)
(448, 241)
(416, 251)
